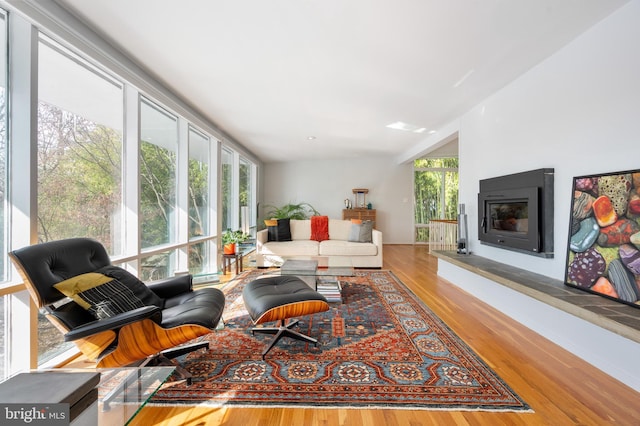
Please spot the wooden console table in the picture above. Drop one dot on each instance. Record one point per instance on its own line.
(362, 214)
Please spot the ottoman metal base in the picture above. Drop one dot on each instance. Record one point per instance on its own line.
(278, 299)
(283, 329)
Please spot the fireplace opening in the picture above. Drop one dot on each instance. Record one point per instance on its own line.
(515, 212)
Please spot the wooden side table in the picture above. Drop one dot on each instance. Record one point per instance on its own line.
(362, 214)
(226, 262)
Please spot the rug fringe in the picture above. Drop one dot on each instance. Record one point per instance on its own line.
(335, 407)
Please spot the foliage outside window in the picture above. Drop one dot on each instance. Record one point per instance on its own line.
(227, 188)
(199, 205)
(158, 266)
(79, 160)
(436, 193)
(81, 144)
(159, 141)
(244, 196)
(3, 192)
(3, 146)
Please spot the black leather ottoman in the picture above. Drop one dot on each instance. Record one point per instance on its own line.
(279, 298)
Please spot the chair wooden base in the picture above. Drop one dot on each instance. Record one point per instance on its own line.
(144, 339)
(282, 329)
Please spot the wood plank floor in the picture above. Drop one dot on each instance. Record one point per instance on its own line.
(561, 388)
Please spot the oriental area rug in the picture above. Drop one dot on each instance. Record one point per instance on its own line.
(381, 347)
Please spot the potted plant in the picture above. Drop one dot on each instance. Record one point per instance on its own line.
(231, 238)
(292, 211)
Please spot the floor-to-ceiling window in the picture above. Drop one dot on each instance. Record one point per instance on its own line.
(435, 192)
(4, 300)
(79, 149)
(238, 183)
(95, 155)
(158, 148)
(158, 168)
(227, 182)
(200, 195)
(244, 195)
(79, 187)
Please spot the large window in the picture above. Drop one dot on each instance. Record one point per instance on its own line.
(158, 147)
(3, 143)
(436, 193)
(199, 169)
(79, 159)
(79, 149)
(98, 156)
(227, 183)
(199, 202)
(4, 300)
(244, 196)
(238, 191)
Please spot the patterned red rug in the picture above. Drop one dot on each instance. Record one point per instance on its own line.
(381, 347)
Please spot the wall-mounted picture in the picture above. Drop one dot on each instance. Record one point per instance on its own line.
(603, 254)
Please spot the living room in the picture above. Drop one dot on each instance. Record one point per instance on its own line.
(566, 113)
(578, 101)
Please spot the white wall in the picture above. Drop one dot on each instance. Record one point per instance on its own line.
(578, 112)
(325, 185)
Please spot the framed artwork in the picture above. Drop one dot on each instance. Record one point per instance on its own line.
(603, 252)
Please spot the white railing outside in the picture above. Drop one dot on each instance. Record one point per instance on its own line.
(443, 235)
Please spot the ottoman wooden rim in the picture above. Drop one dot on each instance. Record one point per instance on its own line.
(295, 309)
(262, 300)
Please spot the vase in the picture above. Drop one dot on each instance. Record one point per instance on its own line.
(229, 248)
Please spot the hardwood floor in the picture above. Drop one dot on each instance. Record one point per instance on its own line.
(561, 388)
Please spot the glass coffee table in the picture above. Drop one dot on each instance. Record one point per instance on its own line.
(122, 392)
(321, 273)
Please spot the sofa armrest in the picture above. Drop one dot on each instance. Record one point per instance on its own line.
(376, 238)
(261, 238)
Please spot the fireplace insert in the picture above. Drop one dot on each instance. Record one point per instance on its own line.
(515, 212)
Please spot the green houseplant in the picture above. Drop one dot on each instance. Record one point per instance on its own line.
(292, 211)
(231, 238)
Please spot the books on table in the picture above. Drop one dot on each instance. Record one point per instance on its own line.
(330, 288)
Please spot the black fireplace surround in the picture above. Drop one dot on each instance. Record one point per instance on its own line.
(515, 212)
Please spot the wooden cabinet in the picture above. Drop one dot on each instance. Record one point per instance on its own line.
(362, 214)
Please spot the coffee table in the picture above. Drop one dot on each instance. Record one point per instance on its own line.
(122, 392)
(320, 273)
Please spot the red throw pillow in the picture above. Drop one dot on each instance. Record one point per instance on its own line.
(319, 228)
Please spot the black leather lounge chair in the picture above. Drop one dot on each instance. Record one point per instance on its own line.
(112, 317)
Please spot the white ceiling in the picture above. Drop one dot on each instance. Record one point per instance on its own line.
(271, 73)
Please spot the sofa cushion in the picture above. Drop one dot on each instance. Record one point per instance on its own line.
(361, 232)
(301, 229)
(281, 231)
(339, 229)
(347, 248)
(291, 248)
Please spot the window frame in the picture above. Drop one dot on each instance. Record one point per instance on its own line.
(22, 125)
(441, 170)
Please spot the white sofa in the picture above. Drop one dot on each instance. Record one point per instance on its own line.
(362, 255)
